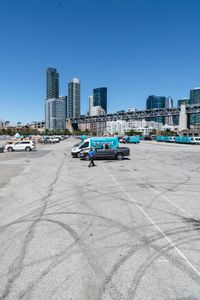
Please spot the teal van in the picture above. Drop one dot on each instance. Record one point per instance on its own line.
(95, 142)
(135, 139)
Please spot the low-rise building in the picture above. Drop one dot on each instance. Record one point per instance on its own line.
(122, 126)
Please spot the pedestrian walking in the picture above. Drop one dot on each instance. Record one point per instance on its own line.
(91, 155)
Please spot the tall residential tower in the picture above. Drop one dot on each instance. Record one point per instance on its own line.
(55, 107)
(52, 83)
(73, 104)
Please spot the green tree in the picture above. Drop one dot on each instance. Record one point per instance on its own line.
(133, 132)
(66, 131)
(153, 132)
(167, 132)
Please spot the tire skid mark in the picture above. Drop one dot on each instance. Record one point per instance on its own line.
(17, 265)
(90, 257)
(162, 194)
(147, 242)
(160, 252)
(160, 231)
(58, 259)
(115, 268)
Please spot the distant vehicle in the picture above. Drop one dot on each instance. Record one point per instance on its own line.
(106, 153)
(135, 139)
(58, 137)
(21, 145)
(195, 140)
(95, 142)
(179, 139)
(166, 138)
(148, 138)
(186, 140)
(50, 140)
(83, 137)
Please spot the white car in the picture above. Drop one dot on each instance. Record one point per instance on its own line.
(21, 145)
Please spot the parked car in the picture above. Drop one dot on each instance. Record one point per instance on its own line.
(49, 140)
(147, 138)
(21, 145)
(106, 153)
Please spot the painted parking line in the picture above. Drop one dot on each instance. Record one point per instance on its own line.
(154, 224)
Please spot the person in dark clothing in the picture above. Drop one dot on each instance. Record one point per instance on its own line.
(91, 155)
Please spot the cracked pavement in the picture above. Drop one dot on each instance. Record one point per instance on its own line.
(123, 230)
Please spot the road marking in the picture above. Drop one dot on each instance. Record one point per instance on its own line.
(164, 197)
(155, 225)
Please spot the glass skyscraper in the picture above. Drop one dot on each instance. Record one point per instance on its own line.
(73, 103)
(184, 101)
(55, 113)
(194, 119)
(156, 102)
(52, 83)
(55, 107)
(195, 96)
(100, 97)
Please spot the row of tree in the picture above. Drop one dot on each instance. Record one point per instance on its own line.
(166, 132)
(26, 130)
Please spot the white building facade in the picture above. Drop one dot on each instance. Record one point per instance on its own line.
(98, 127)
(91, 104)
(121, 126)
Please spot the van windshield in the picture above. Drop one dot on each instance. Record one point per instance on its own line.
(76, 145)
(85, 145)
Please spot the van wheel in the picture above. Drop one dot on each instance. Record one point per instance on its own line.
(28, 149)
(119, 156)
(10, 149)
(78, 155)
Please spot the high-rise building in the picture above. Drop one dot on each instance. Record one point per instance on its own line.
(183, 101)
(156, 102)
(98, 127)
(100, 97)
(169, 102)
(64, 98)
(195, 96)
(73, 107)
(194, 119)
(52, 83)
(55, 113)
(91, 104)
(55, 107)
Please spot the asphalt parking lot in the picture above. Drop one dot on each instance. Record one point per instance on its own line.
(122, 230)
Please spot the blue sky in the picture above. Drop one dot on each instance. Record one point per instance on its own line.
(136, 48)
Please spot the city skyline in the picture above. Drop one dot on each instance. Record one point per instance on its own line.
(142, 48)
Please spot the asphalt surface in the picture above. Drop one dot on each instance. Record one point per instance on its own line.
(122, 230)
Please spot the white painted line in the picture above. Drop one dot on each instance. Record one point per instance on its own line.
(163, 197)
(155, 225)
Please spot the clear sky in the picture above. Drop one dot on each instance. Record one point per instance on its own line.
(135, 48)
